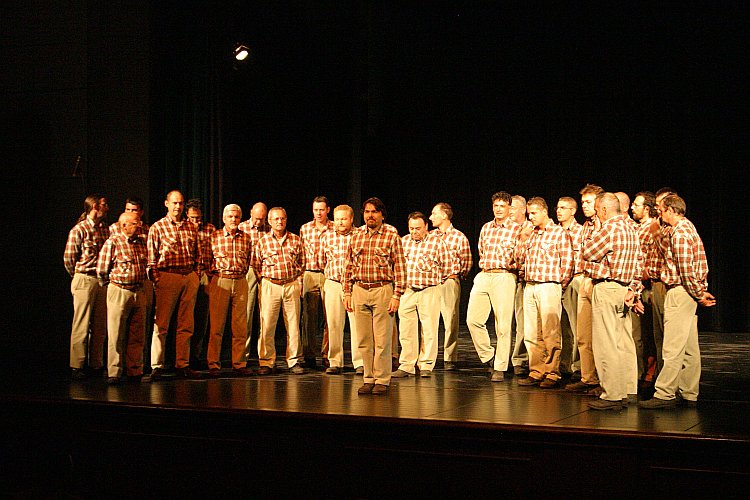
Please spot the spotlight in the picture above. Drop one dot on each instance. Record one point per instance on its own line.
(241, 52)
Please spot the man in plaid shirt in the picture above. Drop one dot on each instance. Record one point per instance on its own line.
(546, 255)
(174, 267)
(519, 357)
(279, 260)
(495, 286)
(613, 252)
(589, 382)
(334, 248)
(428, 265)
(194, 211)
(228, 257)
(122, 264)
(255, 227)
(450, 289)
(569, 361)
(82, 248)
(684, 275)
(374, 281)
(313, 310)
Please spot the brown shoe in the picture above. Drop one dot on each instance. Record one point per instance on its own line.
(214, 373)
(549, 383)
(603, 404)
(594, 391)
(497, 376)
(187, 374)
(333, 370)
(366, 389)
(242, 372)
(394, 364)
(379, 389)
(578, 387)
(360, 370)
(265, 370)
(529, 381)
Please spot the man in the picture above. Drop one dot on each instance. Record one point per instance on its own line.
(644, 211)
(658, 230)
(255, 227)
(333, 248)
(495, 287)
(82, 247)
(450, 290)
(194, 209)
(428, 265)
(684, 275)
(313, 310)
(374, 281)
(613, 252)
(520, 357)
(546, 254)
(122, 264)
(134, 205)
(569, 359)
(228, 257)
(589, 382)
(174, 267)
(279, 261)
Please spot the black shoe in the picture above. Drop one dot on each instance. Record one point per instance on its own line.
(604, 405)
(490, 365)
(187, 374)
(242, 372)
(311, 363)
(78, 374)
(156, 375)
(659, 404)
(97, 372)
(264, 370)
(135, 379)
(333, 370)
(214, 373)
(520, 371)
(296, 370)
(450, 366)
(113, 380)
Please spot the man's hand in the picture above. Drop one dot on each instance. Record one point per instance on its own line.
(348, 303)
(707, 300)
(393, 305)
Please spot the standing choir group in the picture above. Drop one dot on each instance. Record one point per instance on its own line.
(611, 302)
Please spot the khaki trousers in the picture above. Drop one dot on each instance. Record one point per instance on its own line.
(415, 310)
(569, 358)
(583, 330)
(89, 315)
(610, 338)
(336, 314)
(126, 313)
(174, 291)
(492, 292)
(252, 302)
(275, 298)
(313, 315)
(542, 308)
(682, 357)
(658, 295)
(374, 325)
(520, 356)
(450, 300)
(223, 293)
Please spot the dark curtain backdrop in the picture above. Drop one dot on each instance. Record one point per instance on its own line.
(422, 102)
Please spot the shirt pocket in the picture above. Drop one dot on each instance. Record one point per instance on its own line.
(124, 264)
(89, 249)
(424, 264)
(222, 260)
(380, 257)
(270, 258)
(169, 245)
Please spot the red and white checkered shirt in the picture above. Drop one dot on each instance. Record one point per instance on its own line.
(173, 246)
(428, 261)
(458, 244)
(575, 231)
(311, 237)
(279, 258)
(659, 251)
(587, 230)
(686, 264)
(205, 230)
(646, 242)
(497, 243)
(614, 252)
(334, 248)
(82, 248)
(123, 260)
(229, 255)
(254, 233)
(376, 256)
(547, 256)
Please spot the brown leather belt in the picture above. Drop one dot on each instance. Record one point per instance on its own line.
(230, 276)
(419, 289)
(183, 272)
(87, 273)
(596, 281)
(131, 288)
(498, 270)
(370, 286)
(279, 281)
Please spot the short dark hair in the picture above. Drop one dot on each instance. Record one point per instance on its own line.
(446, 208)
(321, 199)
(195, 204)
(418, 215)
(538, 201)
(664, 190)
(649, 200)
(134, 200)
(504, 196)
(591, 189)
(676, 203)
(377, 203)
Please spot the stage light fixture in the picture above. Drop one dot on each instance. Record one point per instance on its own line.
(241, 52)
